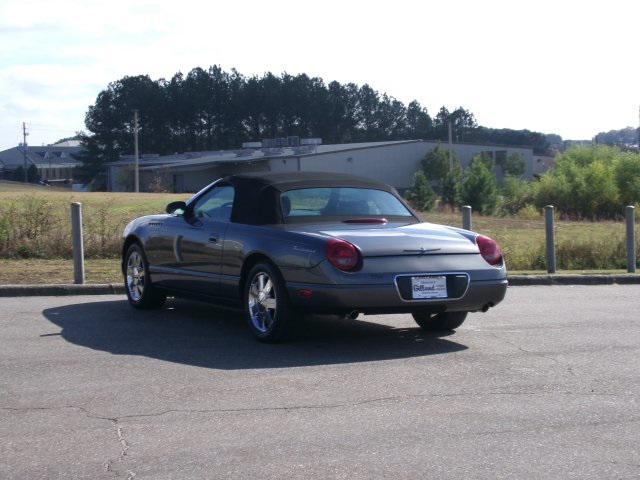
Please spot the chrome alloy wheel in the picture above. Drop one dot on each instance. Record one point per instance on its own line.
(262, 302)
(135, 276)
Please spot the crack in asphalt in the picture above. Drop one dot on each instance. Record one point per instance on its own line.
(124, 444)
(636, 465)
(548, 356)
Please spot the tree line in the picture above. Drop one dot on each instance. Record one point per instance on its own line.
(441, 179)
(214, 109)
(625, 137)
(588, 182)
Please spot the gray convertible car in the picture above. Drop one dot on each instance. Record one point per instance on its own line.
(281, 245)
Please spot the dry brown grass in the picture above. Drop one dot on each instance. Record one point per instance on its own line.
(39, 271)
(34, 223)
(581, 245)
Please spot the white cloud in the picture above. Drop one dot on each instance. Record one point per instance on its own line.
(562, 67)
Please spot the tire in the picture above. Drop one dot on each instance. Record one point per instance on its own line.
(267, 307)
(137, 281)
(439, 322)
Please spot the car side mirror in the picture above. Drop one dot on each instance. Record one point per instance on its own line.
(177, 208)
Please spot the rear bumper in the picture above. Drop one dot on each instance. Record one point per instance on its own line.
(386, 298)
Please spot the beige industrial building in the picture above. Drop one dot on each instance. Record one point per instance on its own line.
(394, 162)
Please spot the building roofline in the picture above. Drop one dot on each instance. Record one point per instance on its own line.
(191, 164)
(494, 145)
(198, 162)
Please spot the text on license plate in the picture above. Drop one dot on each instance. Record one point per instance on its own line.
(429, 287)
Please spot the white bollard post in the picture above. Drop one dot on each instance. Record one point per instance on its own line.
(466, 217)
(78, 246)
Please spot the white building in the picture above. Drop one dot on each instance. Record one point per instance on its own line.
(394, 163)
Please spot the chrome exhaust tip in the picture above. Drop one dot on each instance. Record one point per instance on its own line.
(352, 315)
(487, 307)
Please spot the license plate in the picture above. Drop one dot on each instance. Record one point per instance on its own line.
(429, 287)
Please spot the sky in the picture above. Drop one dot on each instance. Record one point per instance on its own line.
(565, 67)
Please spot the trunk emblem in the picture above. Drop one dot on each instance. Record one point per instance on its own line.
(422, 250)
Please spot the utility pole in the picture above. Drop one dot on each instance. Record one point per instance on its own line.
(450, 146)
(24, 151)
(135, 151)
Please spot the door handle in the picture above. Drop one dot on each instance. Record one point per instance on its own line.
(213, 239)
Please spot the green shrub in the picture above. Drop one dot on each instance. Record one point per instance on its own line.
(513, 165)
(451, 186)
(516, 194)
(591, 182)
(479, 188)
(486, 159)
(627, 173)
(435, 166)
(421, 195)
(529, 212)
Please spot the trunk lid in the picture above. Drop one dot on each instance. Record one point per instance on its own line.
(415, 239)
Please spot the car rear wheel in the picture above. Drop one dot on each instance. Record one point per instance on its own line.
(438, 322)
(137, 282)
(267, 308)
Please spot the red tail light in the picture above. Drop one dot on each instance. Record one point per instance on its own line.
(343, 255)
(489, 250)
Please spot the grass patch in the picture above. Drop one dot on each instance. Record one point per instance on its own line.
(580, 245)
(35, 221)
(35, 224)
(39, 271)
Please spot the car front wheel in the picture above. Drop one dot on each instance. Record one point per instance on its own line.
(137, 283)
(438, 322)
(266, 305)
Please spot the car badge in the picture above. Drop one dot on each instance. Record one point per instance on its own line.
(422, 250)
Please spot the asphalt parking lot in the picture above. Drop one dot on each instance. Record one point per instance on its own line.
(547, 385)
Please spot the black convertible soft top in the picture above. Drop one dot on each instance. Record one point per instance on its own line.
(295, 180)
(257, 197)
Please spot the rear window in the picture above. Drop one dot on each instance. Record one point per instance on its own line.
(341, 202)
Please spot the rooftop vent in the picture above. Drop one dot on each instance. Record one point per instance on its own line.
(311, 141)
(272, 151)
(244, 153)
(280, 142)
(303, 149)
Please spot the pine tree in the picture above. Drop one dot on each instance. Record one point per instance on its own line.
(480, 188)
(451, 185)
(421, 195)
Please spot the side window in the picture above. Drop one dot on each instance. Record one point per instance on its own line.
(216, 204)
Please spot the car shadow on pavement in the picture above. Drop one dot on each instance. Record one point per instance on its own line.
(199, 334)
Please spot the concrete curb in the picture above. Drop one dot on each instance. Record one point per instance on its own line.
(569, 279)
(46, 290)
(60, 289)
